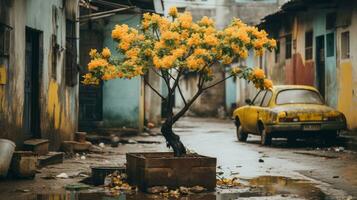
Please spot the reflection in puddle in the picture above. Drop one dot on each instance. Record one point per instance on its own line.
(264, 186)
(273, 185)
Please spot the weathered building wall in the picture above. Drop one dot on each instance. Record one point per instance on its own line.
(337, 76)
(347, 69)
(121, 97)
(58, 103)
(124, 103)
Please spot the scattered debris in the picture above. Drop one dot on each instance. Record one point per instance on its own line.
(62, 175)
(228, 183)
(23, 190)
(157, 189)
(184, 190)
(150, 125)
(339, 149)
(117, 181)
(83, 157)
(114, 139)
(131, 141)
(102, 145)
(220, 173)
(197, 189)
(76, 186)
(95, 149)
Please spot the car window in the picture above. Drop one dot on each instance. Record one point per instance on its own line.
(258, 98)
(298, 96)
(267, 98)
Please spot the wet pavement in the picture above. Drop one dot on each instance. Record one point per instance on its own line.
(305, 170)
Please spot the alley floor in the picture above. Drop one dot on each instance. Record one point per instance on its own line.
(305, 170)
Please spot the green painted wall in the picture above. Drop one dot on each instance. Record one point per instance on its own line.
(121, 97)
(319, 28)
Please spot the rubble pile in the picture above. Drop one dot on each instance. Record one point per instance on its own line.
(181, 191)
(116, 183)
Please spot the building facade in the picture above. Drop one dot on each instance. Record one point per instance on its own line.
(119, 104)
(316, 47)
(223, 97)
(38, 70)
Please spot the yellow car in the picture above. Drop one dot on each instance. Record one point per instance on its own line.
(288, 111)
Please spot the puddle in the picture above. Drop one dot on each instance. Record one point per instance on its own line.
(276, 185)
(264, 187)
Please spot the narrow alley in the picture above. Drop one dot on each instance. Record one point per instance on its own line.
(305, 171)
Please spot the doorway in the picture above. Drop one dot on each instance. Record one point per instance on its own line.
(32, 84)
(320, 64)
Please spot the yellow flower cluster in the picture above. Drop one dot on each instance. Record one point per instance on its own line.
(173, 12)
(95, 63)
(258, 73)
(89, 79)
(178, 42)
(106, 52)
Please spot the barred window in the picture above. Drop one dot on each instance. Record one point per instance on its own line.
(345, 45)
(308, 45)
(4, 39)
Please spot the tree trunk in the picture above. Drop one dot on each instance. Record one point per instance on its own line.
(172, 139)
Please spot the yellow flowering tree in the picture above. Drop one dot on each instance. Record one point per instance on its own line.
(171, 46)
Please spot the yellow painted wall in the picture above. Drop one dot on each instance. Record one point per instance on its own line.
(345, 104)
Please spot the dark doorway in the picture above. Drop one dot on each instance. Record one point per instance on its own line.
(32, 84)
(90, 96)
(320, 64)
(90, 106)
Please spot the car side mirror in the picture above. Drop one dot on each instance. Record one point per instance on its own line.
(248, 101)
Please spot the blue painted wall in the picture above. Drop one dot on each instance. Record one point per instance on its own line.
(319, 28)
(121, 97)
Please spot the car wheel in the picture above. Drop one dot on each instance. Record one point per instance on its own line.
(241, 135)
(265, 138)
(331, 138)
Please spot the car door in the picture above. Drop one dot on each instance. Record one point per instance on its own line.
(252, 111)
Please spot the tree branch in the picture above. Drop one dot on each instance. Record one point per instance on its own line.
(181, 94)
(205, 88)
(147, 83)
(157, 73)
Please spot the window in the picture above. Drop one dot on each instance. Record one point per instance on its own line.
(345, 45)
(71, 71)
(267, 98)
(308, 45)
(288, 46)
(298, 96)
(258, 98)
(330, 44)
(55, 48)
(4, 39)
(277, 52)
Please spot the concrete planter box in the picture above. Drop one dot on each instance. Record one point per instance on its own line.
(163, 169)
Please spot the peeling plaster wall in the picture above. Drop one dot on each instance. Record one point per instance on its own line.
(340, 74)
(58, 102)
(347, 73)
(122, 99)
